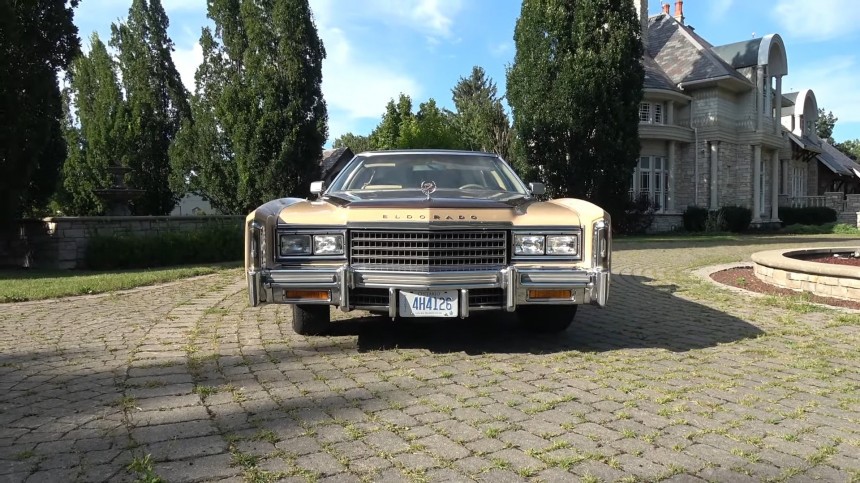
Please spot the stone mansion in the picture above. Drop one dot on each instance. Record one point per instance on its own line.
(717, 129)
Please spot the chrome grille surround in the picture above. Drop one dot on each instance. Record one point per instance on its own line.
(428, 251)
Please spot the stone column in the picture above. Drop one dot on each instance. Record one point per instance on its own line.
(756, 183)
(759, 96)
(774, 186)
(715, 173)
(777, 121)
(673, 169)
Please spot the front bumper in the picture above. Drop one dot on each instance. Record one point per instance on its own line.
(512, 285)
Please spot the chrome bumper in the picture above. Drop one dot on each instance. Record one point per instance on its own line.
(587, 286)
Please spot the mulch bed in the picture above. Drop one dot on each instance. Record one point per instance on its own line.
(843, 260)
(745, 278)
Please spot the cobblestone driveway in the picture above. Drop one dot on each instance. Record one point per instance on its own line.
(674, 380)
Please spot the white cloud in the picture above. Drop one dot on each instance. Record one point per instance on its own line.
(187, 61)
(819, 20)
(433, 18)
(834, 81)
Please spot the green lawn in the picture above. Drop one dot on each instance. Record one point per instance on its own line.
(22, 285)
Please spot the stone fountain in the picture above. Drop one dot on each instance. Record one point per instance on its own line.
(117, 196)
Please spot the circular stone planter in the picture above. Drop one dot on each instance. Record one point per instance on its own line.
(778, 267)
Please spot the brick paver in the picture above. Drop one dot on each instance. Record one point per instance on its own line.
(675, 380)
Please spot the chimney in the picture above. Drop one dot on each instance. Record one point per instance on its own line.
(679, 11)
(666, 9)
(642, 12)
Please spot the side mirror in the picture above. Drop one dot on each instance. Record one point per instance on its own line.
(537, 188)
(317, 187)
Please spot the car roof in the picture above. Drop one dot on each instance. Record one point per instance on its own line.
(450, 152)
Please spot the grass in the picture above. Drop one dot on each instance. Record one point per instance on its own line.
(24, 285)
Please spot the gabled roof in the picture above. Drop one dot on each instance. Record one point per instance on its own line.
(837, 161)
(683, 55)
(655, 78)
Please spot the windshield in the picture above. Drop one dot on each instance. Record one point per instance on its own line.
(407, 171)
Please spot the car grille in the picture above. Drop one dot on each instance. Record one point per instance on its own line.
(427, 251)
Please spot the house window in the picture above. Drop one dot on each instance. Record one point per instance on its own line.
(651, 113)
(651, 178)
(798, 182)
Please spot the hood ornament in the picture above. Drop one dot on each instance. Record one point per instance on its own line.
(428, 188)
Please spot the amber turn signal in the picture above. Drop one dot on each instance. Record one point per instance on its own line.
(550, 294)
(307, 294)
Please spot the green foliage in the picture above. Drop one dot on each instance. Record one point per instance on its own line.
(99, 138)
(156, 99)
(810, 215)
(207, 245)
(695, 218)
(737, 218)
(574, 87)
(824, 229)
(638, 217)
(851, 148)
(354, 142)
(259, 119)
(37, 40)
(481, 119)
(825, 124)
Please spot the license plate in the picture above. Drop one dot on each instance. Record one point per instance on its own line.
(436, 303)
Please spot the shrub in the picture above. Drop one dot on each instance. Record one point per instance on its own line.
(206, 245)
(695, 218)
(735, 218)
(811, 215)
(638, 216)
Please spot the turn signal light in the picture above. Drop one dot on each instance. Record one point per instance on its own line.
(307, 294)
(550, 294)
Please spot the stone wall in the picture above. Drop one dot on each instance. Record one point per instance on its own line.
(822, 283)
(61, 242)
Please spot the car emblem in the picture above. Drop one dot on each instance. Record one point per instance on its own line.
(428, 188)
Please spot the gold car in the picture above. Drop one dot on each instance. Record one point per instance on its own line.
(428, 233)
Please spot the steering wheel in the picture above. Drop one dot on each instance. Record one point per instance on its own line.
(471, 185)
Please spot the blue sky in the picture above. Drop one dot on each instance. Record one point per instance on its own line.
(379, 48)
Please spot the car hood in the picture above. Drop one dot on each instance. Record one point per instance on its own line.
(457, 207)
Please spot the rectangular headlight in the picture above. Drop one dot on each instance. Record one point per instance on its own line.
(562, 245)
(328, 244)
(292, 245)
(529, 244)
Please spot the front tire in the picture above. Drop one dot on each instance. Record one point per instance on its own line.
(546, 318)
(311, 319)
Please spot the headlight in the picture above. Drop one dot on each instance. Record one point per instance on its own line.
(529, 244)
(562, 244)
(291, 245)
(328, 244)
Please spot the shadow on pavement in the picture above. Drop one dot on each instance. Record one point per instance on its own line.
(638, 316)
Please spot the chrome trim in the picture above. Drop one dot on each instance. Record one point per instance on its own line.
(422, 280)
(538, 277)
(254, 288)
(544, 231)
(286, 230)
(426, 251)
(509, 277)
(344, 288)
(314, 278)
(464, 303)
(392, 302)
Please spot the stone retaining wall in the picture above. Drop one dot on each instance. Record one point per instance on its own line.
(826, 280)
(61, 242)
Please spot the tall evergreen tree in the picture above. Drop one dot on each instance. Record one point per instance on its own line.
(387, 134)
(157, 102)
(481, 117)
(259, 116)
(824, 125)
(99, 138)
(356, 143)
(430, 128)
(574, 88)
(37, 40)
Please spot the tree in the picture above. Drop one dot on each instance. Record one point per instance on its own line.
(354, 142)
(157, 102)
(574, 88)
(37, 40)
(430, 128)
(825, 124)
(851, 148)
(481, 117)
(96, 134)
(387, 134)
(259, 118)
